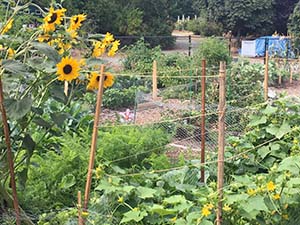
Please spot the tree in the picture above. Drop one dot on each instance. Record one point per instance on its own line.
(283, 10)
(294, 25)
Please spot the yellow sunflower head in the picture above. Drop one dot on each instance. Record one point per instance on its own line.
(76, 21)
(109, 38)
(68, 69)
(95, 78)
(108, 80)
(53, 17)
(99, 48)
(11, 53)
(43, 37)
(6, 27)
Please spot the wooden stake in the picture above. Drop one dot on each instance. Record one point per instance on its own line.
(221, 140)
(79, 206)
(154, 80)
(203, 130)
(279, 79)
(9, 156)
(266, 80)
(66, 88)
(291, 74)
(94, 139)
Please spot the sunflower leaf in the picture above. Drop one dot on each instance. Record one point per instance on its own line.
(14, 66)
(50, 52)
(16, 109)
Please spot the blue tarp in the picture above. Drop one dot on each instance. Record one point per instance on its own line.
(280, 46)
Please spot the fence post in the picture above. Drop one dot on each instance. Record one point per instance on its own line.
(221, 140)
(190, 44)
(94, 139)
(203, 130)
(9, 156)
(79, 206)
(266, 80)
(154, 80)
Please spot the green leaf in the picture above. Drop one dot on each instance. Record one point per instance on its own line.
(59, 118)
(145, 192)
(16, 109)
(272, 129)
(127, 189)
(29, 144)
(291, 164)
(283, 130)
(192, 217)
(41, 122)
(107, 187)
(57, 92)
(67, 181)
(206, 222)
(14, 66)
(180, 221)
(256, 120)
(50, 52)
(159, 209)
(134, 215)
(175, 199)
(236, 198)
(254, 205)
(263, 151)
(269, 110)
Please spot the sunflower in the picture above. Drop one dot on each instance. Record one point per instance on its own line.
(114, 48)
(99, 48)
(76, 21)
(94, 80)
(7, 26)
(68, 69)
(11, 53)
(109, 38)
(43, 37)
(53, 17)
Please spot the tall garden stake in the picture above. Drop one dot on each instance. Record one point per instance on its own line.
(9, 156)
(221, 141)
(203, 120)
(266, 80)
(291, 74)
(94, 140)
(154, 80)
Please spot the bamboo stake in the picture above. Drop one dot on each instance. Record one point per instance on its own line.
(221, 140)
(94, 139)
(154, 80)
(9, 156)
(266, 80)
(203, 120)
(80, 220)
(291, 74)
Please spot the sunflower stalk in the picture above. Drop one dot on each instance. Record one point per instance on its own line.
(9, 153)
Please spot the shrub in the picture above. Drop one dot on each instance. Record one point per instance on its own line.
(140, 57)
(205, 28)
(213, 50)
(120, 98)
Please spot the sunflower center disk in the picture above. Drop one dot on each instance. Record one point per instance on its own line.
(67, 69)
(76, 20)
(53, 18)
